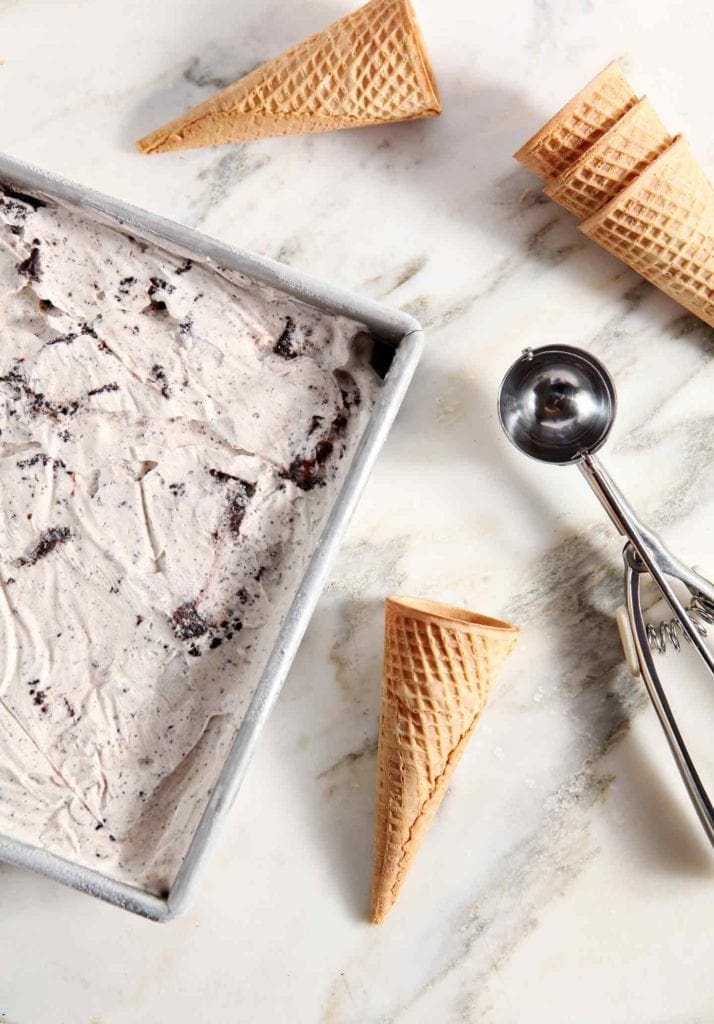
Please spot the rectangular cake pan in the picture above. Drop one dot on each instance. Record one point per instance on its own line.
(395, 328)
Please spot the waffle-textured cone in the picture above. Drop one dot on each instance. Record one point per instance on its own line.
(439, 663)
(662, 225)
(370, 67)
(618, 156)
(580, 123)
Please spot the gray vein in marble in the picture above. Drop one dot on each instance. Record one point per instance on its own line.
(363, 570)
(520, 196)
(567, 571)
(539, 870)
(576, 592)
(203, 75)
(393, 280)
(289, 249)
(685, 496)
(539, 245)
(221, 175)
(369, 747)
(609, 338)
(370, 566)
(423, 306)
(687, 325)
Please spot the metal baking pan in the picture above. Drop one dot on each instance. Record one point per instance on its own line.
(396, 329)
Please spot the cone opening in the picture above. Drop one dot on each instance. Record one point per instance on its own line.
(430, 611)
(612, 69)
(643, 108)
(423, 53)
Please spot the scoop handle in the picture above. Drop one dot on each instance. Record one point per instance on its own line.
(695, 787)
(653, 554)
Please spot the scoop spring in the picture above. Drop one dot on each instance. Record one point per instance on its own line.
(669, 631)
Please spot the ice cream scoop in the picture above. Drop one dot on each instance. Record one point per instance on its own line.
(557, 404)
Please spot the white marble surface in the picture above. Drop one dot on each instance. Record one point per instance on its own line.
(565, 878)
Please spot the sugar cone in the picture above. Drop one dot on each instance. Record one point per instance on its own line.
(662, 225)
(370, 67)
(580, 123)
(439, 663)
(617, 158)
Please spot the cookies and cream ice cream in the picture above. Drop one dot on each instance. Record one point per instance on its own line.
(170, 440)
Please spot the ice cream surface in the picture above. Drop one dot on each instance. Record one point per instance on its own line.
(172, 437)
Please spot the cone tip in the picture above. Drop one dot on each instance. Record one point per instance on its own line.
(154, 142)
(382, 903)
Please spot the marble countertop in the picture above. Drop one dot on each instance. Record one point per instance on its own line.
(565, 878)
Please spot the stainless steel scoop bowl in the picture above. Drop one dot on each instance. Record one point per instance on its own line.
(557, 404)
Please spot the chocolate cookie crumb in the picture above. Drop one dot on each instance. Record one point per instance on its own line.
(310, 470)
(113, 386)
(31, 266)
(187, 622)
(125, 286)
(158, 376)
(284, 345)
(218, 474)
(238, 504)
(157, 287)
(349, 389)
(241, 492)
(47, 543)
(34, 460)
(63, 339)
(323, 451)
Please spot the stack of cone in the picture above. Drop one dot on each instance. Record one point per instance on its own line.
(639, 192)
(368, 68)
(623, 152)
(439, 664)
